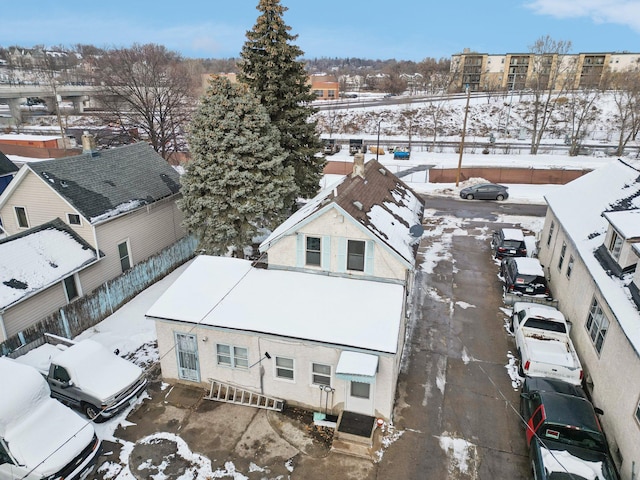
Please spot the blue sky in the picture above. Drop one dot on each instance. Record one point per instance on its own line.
(375, 29)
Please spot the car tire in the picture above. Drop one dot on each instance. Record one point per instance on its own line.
(520, 369)
(92, 412)
(500, 198)
(469, 196)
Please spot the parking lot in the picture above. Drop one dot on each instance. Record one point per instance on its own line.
(456, 406)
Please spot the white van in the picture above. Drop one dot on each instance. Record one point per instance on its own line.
(40, 438)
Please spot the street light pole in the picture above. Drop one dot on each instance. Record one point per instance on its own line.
(464, 129)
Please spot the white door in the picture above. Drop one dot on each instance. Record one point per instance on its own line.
(187, 355)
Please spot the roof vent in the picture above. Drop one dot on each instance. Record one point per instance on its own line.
(357, 204)
(382, 171)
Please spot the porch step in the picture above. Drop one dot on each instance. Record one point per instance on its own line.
(229, 393)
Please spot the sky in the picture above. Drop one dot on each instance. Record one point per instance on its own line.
(403, 29)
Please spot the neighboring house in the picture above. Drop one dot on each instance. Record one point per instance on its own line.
(324, 87)
(40, 269)
(330, 313)
(119, 201)
(367, 225)
(7, 171)
(590, 247)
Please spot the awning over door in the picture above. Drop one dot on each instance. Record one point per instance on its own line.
(357, 367)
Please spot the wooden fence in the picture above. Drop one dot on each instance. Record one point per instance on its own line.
(91, 309)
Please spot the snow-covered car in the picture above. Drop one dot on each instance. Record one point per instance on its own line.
(563, 434)
(544, 346)
(87, 376)
(523, 276)
(39, 437)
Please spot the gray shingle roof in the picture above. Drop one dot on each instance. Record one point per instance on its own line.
(6, 165)
(101, 182)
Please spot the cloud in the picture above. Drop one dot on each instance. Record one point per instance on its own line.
(621, 12)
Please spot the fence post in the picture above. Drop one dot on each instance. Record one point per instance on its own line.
(109, 297)
(65, 324)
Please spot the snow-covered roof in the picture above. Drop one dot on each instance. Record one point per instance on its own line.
(627, 222)
(356, 363)
(529, 266)
(615, 187)
(28, 137)
(38, 258)
(513, 234)
(230, 293)
(377, 200)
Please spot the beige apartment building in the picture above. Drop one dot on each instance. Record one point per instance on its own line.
(516, 71)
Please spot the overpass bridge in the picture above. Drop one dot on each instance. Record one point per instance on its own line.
(16, 95)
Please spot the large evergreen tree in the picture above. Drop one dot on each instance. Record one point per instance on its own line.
(236, 181)
(271, 68)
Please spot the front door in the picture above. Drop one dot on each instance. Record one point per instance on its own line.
(359, 396)
(187, 353)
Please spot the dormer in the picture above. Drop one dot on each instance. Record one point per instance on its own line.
(623, 232)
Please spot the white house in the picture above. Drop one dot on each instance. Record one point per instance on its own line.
(590, 249)
(327, 302)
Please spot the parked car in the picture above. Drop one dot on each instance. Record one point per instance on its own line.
(485, 191)
(563, 433)
(544, 346)
(524, 276)
(508, 242)
(87, 376)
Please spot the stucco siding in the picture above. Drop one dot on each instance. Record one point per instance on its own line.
(617, 363)
(300, 391)
(339, 229)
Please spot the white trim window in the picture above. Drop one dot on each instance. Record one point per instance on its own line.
(597, 325)
(563, 251)
(551, 228)
(285, 368)
(313, 251)
(74, 219)
(232, 356)
(638, 412)
(321, 374)
(615, 245)
(21, 217)
(355, 255)
(71, 289)
(570, 266)
(124, 253)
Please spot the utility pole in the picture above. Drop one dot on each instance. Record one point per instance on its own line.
(464, 129)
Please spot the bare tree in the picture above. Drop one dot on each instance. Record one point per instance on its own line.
(551, 74)
(149, 88)
(625, 87)
(581, 111)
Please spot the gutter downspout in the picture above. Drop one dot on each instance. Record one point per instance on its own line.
(95, 239)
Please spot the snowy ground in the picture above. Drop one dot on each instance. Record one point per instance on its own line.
(129, 331)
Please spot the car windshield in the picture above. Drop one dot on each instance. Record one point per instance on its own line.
(544, 324)
(574, 436)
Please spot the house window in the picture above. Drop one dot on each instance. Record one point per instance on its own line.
(570, 266)
(563, 250)
(74, 218)
(318, 93)
(597, 325)
(360, 389)
(284, 368)
(355, 255)
(320, 374)
(125, 255)
(21, 215)
(638, 412)
(313, 251)
(331, 93)
(231, 356)
(553, 225)
(70, 288)
(615, 245)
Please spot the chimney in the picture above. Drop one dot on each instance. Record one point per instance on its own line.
(88, 142)
(358, 165)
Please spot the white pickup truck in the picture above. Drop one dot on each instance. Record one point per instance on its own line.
(87, 376)
(544, 346)
(40, 439)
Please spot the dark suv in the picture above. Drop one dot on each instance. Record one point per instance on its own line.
(508, 242)
(524, 276)
(563, 433)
